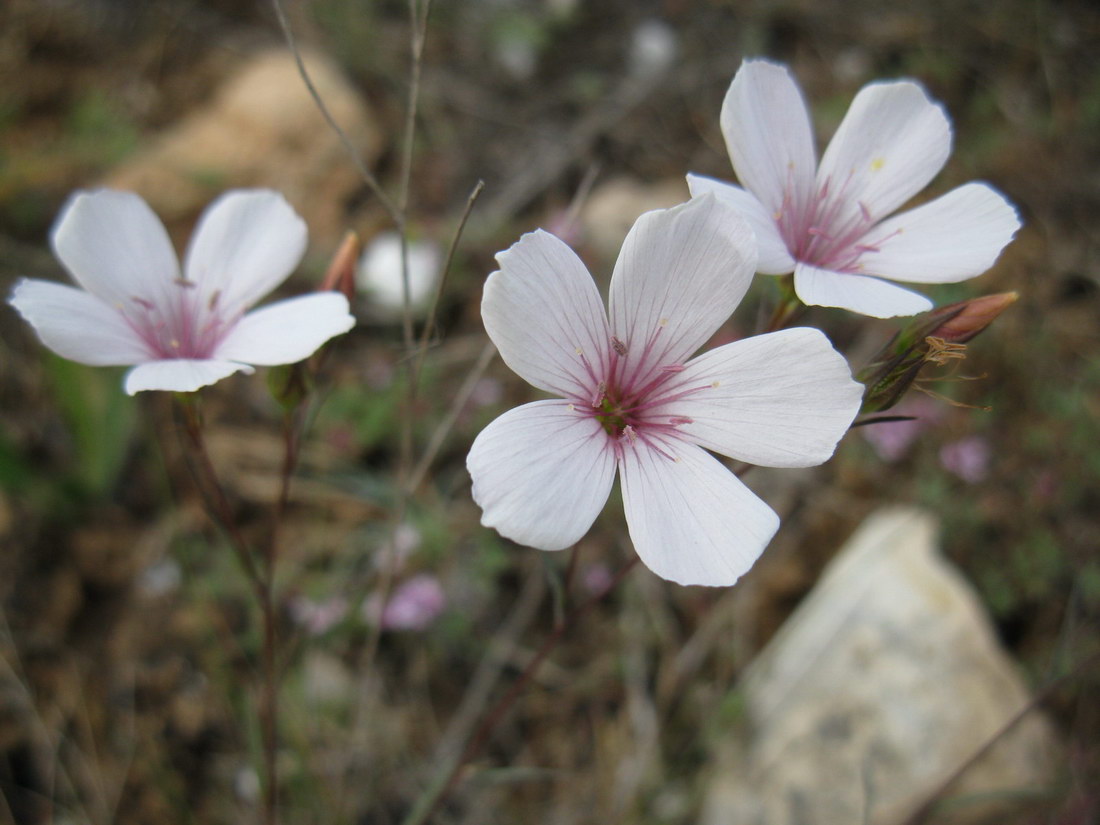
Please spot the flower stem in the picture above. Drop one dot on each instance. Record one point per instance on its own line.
(448, 777)
(261, 578)
(788, 308)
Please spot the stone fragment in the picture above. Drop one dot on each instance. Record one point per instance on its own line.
(260, 129)
(613, 207)
(884, 681)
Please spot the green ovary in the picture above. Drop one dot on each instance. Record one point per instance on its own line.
(611, 417)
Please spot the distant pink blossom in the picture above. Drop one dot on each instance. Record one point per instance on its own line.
(597, 578)
(892, 439)
(318, 616)
(179, 332)
(968, 458)
(413, 605)
(631, 400)
(828, 223)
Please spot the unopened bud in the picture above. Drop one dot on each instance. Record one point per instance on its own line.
(936, 337)
(958, 323)
(340, 275)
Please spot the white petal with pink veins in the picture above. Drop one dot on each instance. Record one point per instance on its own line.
(245, 244)
(181, 375)
(780, 400)
(545, 316)
(955, 237)
(691, 520)
(680, 274)
(115, 247)
(542, 473)
(774, 257)
(858, 293)
(288, 331)
(77, 325)
(768, 135)
(890, 145)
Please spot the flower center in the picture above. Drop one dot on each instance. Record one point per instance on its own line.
(180, 324)
(829, 232)
(631, 403)
(612, 417)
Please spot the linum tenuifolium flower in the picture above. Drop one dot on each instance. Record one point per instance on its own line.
(827, 224)
(179, 332)
(631, 398)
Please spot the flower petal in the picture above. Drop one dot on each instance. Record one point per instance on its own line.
(246, 243)
(858, 293)
(182, 375)
(774, 257)
(952, 238)
(692, 521)
(115, 247)
(892, 142)
(680, 274)
(77, 325)
(542, 473)
(288, 331)
(780, 400)
(544, 313)
(769, 137)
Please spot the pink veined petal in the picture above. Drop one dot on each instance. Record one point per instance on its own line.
(288, 331)
(858, 293)
(679, 276)
(957, 236)
(692, 521)
(774, 257)
(245, 244)
(769, 137)
(890, 145)
(542, 473)
(780, 400)
(182, 375)
(77, 325)
(544, 314)
(115, 247)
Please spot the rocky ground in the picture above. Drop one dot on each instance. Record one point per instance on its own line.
(128, 640)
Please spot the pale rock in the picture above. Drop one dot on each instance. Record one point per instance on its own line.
(613, 207)
(327, 679)
(884, 681)
(260, 129)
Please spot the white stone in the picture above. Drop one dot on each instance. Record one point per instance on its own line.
(613, 207)
(261, 128)
(883, 682)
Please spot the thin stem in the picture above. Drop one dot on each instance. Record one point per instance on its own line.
(215, 500)
(461, 398)
(429, 323)
(788, 309)
(353, 153)
(448, 778)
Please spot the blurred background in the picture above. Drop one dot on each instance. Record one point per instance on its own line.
(128, 637)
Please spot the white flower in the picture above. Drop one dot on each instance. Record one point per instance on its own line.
(828, 223)
(379, 273)
(178, 332)
(629, 398)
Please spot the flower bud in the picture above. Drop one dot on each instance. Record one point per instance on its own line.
(936, 337)
(340, 275)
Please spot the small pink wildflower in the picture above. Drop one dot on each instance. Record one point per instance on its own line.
(892, 439)
(828, 223)
(968, 458)
(413, 605)
(318, 617)
(179, 332)
(632, 400)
